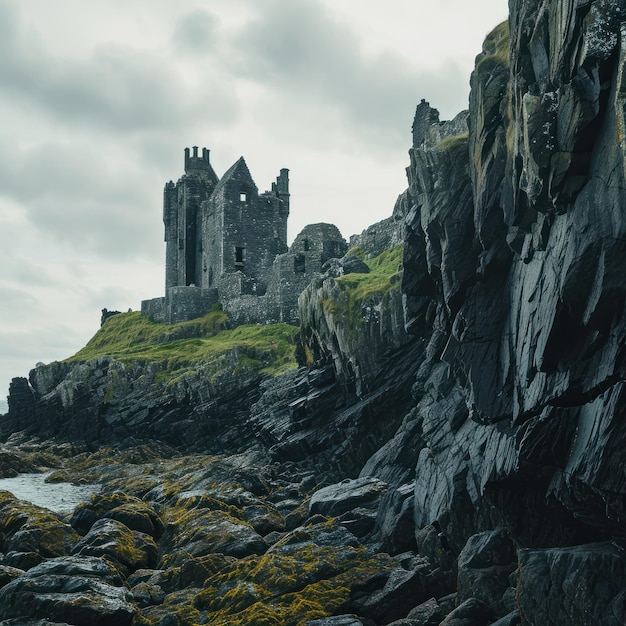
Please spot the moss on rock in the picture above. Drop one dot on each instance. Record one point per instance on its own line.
(30, 528)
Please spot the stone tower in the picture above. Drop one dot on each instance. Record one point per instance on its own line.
(243, 231)
(182, 218)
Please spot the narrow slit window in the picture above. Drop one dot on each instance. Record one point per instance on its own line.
(239, 256)
(307, 245)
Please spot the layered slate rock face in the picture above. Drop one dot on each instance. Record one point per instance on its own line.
(513, 274)
(104, 402)
(515, 258)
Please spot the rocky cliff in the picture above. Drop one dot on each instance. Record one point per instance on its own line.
(474, 394)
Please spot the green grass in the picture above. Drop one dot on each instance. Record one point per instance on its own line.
(131, 337)
(453, 142)
(385, 275)
(496, 48)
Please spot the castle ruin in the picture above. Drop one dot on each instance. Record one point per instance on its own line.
(227, 243)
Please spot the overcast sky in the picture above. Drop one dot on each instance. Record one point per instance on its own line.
(99, 98)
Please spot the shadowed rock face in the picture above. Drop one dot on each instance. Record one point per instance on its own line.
(514, 272)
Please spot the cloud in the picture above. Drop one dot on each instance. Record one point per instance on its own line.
(196, 33)
(119, 88)
(305, 58)
(29, 344)
(22, 270)
(94, 202)
(15, 299)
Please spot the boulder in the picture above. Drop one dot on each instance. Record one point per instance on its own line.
(32, 530)
(484, 567)
(427, 613)
(349, 494)
(8, 573)
(79, 590)
(199, 532)
(472, 612)
(22, 560)
(128, 549)
(403, 590)
(576, 585)
(512, 619)
(131, 511)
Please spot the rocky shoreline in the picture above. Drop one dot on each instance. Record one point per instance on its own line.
(198, 539)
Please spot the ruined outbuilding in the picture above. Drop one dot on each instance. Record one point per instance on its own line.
(227, 243)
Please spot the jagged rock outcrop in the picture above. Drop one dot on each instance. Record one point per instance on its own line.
(105, 402)
(513, 278)
(509, 263)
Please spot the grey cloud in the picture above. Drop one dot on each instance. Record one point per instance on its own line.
(119, 89)
(119, 230)
(55, 167)
(113, 298)
(196, 33)
(84, 201)
(23, 269)
(316, 61)
(14, 299)
(38, 344)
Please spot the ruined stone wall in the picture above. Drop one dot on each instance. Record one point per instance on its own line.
(387, 233)
(187, 303)
(249, 310)
(155, 309)
(242, 230)
(179, 304)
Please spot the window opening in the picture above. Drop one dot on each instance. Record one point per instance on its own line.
(299, 264)
(239, 257)
(243, 196)
(307, 245)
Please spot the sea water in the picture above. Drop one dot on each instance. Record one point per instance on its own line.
(58, 497)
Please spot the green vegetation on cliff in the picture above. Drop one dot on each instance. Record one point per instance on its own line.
(131, 337)
(495, 49)
(384, 275)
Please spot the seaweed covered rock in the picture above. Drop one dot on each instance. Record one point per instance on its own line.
(28, 529)
(202, 525)
(111, 540)
(129, 510)
(82, 591)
